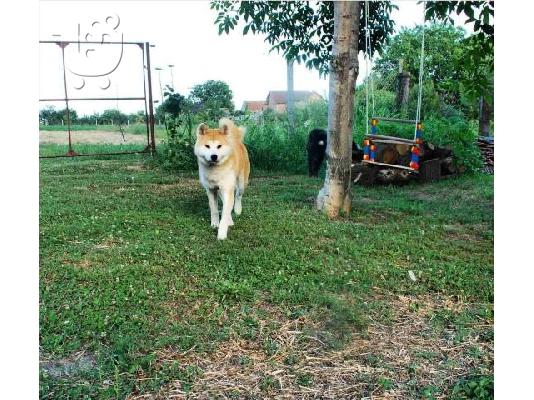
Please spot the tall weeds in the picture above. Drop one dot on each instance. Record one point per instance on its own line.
(272, 148)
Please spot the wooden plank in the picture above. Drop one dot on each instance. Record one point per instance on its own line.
(389, 165)
(400, 121)
(388, 141)
(402, 140)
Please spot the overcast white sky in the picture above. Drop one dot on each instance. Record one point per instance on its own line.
(184, 35)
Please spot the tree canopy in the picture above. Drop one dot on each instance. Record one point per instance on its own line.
(173, 104)
(212, 98)
(478, 57)
(483, 23)
(114, 116)
(302, 30)
(51, 116)
(444, 53)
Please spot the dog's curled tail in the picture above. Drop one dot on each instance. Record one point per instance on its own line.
(238, 132)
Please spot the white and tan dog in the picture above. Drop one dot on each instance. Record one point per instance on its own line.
(223, 169)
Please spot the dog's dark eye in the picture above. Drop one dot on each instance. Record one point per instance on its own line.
(219, 146)
(207, 145)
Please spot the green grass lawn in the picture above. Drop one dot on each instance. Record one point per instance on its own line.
(134, 282)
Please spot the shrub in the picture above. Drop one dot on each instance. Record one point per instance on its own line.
(177, 151)
(460, 136)
(271, 148)
(314, 115)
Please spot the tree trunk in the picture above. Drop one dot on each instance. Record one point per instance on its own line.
(335, 194)
(403, 92)
(484, 117)
(403, 89)
(290, 98)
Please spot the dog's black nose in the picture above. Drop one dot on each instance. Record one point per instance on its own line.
(214, 157)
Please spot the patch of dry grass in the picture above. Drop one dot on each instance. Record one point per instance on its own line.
(289, 359)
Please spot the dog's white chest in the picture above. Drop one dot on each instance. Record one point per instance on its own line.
(213, 183)
(215, 178)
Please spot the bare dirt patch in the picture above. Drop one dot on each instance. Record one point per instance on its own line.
(466, 233)
(184, 186)
(107, 244)
(395, 361)
(90, 137)
(66, 367)
(136, 167)
(164, 187)
(83, 264)
(423, 196)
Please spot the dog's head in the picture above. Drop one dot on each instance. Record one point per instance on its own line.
(213, 146)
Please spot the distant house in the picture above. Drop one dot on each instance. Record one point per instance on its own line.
(277, 101)
(253, 106)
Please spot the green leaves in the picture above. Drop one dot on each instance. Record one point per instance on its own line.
(458, 66)
(442, 10)
(474, 387)
(209, 99)
(301, 31)
(442, 54)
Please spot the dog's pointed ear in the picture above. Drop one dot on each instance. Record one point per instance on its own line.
(224, 129)
(202, 129)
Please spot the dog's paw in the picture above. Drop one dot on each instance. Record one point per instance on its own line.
(214, 224)
(237, 205)
(222, 233)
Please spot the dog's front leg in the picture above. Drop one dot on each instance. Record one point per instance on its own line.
(226, 217)
(214, 208)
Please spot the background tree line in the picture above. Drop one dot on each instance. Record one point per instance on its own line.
(209, 101)
(50, 116)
